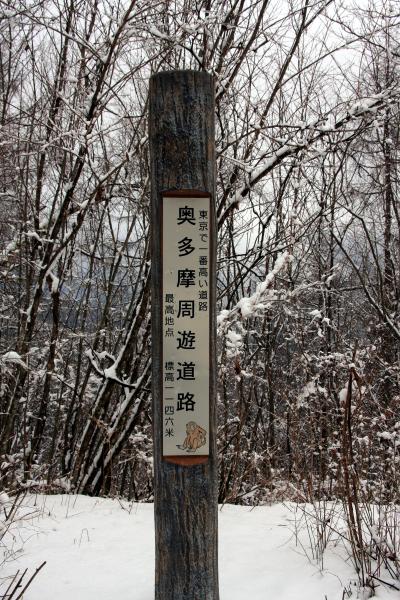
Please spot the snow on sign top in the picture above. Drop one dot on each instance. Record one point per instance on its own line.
(186, 325)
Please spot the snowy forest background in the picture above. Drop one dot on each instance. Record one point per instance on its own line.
(308, 146)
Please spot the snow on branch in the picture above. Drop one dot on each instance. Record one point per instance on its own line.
(109, 372)
(14, 358)
(359, 110)
(249, 306)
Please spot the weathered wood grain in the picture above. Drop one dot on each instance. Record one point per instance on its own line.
(181, 130)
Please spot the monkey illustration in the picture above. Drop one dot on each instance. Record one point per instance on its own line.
(195, 437)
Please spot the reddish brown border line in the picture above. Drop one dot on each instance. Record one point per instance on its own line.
(179, 459)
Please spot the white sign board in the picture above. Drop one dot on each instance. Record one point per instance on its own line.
(186, 325)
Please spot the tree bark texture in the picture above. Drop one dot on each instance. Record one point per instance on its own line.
(181, 130)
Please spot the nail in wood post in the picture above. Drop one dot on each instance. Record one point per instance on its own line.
(181, 129)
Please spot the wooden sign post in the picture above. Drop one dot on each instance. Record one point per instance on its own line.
(183, 231)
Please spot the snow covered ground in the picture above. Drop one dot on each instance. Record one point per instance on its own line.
(101, 549)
